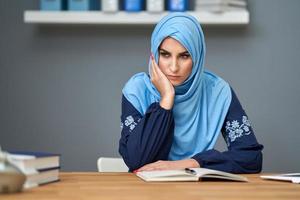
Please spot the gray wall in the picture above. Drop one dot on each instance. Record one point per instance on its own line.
(60, 86)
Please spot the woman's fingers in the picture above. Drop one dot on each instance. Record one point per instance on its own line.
(158, 165)
(147, 167)
(144, 168)
(156, 70)
(152, 71)
(154, 67)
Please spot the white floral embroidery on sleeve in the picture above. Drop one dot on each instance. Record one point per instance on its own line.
(235, 130)
(129, 122)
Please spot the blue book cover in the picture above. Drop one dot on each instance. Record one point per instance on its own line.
(177, 5)
(83, 5)
(53, 5)
(133, 5)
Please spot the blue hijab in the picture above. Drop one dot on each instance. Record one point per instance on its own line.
(201, 102)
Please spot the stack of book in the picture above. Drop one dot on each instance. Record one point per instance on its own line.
(115, 5)
(220, 5)
(39, 168)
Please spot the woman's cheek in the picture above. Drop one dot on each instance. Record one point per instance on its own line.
(163, 65)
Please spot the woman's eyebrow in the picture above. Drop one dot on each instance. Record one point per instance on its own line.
(185, 52)
(163, 50)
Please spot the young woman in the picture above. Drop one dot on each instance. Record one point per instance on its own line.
(172, 117)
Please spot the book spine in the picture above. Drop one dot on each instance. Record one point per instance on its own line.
(83, 5)
(133, 5)
(155, 5)
(177, 5)
(53, 5)
(110, 5)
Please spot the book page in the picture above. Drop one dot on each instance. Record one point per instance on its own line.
(293, 177)
(167, 175)
(209, 173)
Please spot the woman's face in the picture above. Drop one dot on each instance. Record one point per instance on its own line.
(174, 61)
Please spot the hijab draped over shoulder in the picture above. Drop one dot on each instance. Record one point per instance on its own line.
(201, 102)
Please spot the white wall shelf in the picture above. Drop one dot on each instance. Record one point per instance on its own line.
(139, 18)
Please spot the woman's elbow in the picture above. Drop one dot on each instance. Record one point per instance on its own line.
(259, 162)
(255, 165)
(131, 161)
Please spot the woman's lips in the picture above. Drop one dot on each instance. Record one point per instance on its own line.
(173, 77)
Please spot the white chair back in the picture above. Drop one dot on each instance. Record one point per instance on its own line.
(106, 164)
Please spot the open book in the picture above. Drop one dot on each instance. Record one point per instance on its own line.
(293, 177)
(188, 174)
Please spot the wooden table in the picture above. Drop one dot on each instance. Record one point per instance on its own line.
(93, 185)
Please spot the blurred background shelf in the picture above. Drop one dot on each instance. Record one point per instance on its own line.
(240, 17)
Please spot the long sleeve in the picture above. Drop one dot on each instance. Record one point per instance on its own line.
(145, 139)
(244, 152)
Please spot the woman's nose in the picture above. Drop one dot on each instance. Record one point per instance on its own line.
(174, 66)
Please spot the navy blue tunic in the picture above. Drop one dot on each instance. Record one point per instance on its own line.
(148, 138)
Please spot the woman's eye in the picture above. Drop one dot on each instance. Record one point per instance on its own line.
(164, 54)
(185, 56)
